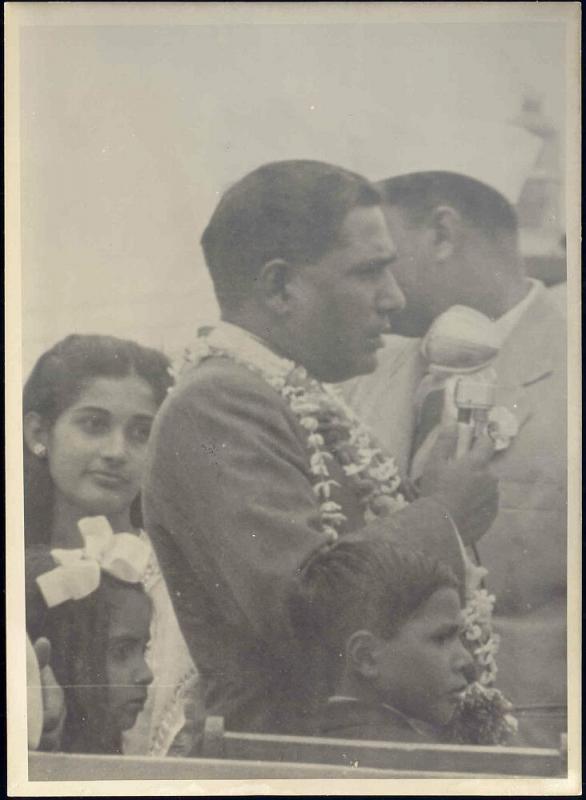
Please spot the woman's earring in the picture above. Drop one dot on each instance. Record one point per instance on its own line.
(39, 450)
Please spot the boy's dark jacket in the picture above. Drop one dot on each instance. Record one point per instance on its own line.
(355, 719)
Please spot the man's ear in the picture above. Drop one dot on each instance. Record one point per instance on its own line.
(446, 225)
(35, 432)
(272, 283)
(361, 653)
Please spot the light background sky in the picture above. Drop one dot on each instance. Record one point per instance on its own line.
(129, 134)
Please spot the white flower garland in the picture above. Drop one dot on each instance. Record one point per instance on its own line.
(173, 718)
(375, 475)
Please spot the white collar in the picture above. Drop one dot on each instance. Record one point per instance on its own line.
(504, 325)
(227, 335)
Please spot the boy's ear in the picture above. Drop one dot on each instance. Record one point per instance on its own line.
(34, 431)
(446, 228)
(361, 653)
(272, 283)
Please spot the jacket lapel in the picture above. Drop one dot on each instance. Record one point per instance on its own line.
(523, 360)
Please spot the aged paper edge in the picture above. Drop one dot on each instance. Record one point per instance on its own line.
(22, 14)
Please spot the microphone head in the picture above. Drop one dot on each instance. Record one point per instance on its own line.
(461, 339)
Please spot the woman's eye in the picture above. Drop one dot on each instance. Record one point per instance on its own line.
(94, 424)
(140, 432)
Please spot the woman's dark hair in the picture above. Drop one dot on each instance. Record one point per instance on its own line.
(56, 381)
(78, 633)
(359, 583)
(291, 210)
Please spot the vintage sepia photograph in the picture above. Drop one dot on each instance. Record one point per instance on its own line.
(293, 398)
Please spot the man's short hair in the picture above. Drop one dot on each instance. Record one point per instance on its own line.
(360, 584)
(418, 193)
(288, 209)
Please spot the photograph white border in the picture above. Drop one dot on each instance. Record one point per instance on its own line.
(18, 15)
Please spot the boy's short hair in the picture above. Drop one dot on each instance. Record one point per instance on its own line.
(361, 584)
(287, 209)
(418, 193)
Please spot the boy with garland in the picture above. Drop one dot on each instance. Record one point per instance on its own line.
(384, 628)
(255, 462)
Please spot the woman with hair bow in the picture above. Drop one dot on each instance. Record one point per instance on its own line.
(88, 408)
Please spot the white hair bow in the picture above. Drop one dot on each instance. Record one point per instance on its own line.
(123, 555)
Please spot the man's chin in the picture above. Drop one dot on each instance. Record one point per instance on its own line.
(367, 364)
(345, 370)
(363, 367)
(410, 325)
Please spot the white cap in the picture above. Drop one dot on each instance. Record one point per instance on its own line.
(500, 155)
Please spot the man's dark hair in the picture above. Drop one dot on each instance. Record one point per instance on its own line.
(360, 584)
(418, 193)
(288, 209)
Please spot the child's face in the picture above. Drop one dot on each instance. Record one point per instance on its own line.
(97, 447)
(127, 672)
(421, 669)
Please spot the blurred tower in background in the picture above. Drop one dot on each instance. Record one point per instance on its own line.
(540, 207)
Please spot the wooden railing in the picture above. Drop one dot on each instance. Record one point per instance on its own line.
(233, 755)
(397, 756)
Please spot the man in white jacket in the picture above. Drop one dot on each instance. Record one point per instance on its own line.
(456, 241)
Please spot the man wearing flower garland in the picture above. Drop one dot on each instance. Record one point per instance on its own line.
(255, 463)
(468, 296)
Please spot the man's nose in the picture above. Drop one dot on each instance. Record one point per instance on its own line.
(390, 297)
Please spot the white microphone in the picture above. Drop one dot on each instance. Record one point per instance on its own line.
(474, 397)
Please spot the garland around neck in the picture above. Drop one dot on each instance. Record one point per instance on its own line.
(333, 431)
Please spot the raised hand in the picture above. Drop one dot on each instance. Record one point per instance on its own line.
(464, 486)
(53, 698)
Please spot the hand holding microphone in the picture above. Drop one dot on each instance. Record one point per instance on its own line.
(463, 485)
(459, 348)
(474, 398)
